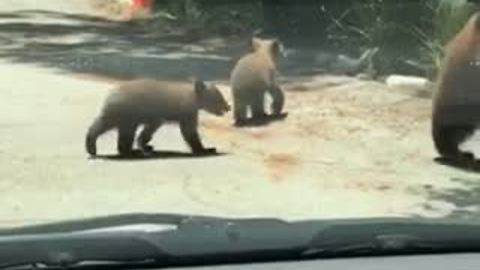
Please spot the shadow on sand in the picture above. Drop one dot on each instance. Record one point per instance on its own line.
(262, 121)
(467, 165)
(124, 50)
(120, 50)
(155, 155)
(465, 198)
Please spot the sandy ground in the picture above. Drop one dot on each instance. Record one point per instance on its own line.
(349, 148)
(70, 6)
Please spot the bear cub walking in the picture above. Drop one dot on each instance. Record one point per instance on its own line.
(151, 103)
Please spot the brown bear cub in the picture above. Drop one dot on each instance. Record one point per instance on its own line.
(151, 103)
(253, 76)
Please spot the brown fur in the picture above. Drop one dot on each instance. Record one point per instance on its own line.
(252, 77)
(151, 103)
(456, 103)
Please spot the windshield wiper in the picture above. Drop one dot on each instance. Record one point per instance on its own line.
(172, 240)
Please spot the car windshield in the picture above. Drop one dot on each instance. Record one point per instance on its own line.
(295, 110)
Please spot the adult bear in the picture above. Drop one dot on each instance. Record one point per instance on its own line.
(456, 103)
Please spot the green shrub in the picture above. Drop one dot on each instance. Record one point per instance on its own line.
(410, 34)
(449, 16)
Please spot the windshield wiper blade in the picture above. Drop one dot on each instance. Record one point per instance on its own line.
(64, 250)
(394, 236)
(195, 240)
(189, 240)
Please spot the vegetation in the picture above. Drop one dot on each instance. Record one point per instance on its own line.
(410, 34)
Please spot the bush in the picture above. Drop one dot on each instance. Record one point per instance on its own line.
(449, 17)
(218, 17)
(379, 23)
(410, 34)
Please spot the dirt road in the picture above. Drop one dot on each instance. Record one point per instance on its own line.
(354, 149)
(349, 148)
(70, 6)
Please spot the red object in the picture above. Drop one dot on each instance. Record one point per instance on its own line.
(141, 4)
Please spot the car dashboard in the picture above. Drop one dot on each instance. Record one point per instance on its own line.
(417, 262)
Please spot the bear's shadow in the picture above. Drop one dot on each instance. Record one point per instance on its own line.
(264, 121)
(464, 165)
(138, 155)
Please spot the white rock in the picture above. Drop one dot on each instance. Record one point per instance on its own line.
(401, 81)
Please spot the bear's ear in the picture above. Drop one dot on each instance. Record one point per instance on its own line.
(199, 86)
(255, 43)
(276, 47)
(476, 19)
